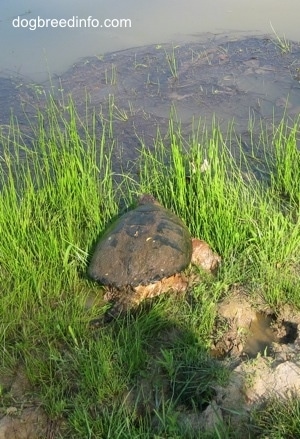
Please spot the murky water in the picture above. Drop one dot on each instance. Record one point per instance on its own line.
(260, 336)
(36, 53)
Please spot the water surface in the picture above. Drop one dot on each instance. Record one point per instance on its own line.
(36, 53)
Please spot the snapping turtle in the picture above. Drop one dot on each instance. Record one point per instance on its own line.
(143, 253)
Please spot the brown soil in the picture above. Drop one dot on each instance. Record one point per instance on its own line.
(259, 348)
(21, 414)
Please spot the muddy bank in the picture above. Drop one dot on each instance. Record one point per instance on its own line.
(132, 92)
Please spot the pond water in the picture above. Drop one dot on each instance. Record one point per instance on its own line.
(36, 53)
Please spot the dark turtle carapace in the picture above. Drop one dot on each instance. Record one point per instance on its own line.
(144, 245)
(143, 254)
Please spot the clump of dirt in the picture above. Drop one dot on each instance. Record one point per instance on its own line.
(28, 423)
(22, 415)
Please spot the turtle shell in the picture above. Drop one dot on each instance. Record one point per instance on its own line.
(144, 245)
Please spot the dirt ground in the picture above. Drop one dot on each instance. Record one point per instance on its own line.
(260, 349)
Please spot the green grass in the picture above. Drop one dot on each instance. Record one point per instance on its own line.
(172, 62)
(59, 195)
(279, 419)
(281, 43)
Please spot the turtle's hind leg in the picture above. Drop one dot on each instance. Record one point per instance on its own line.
(121, 302)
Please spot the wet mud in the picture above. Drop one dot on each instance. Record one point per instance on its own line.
(261, 335)
(246, 328)
(133, 91)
